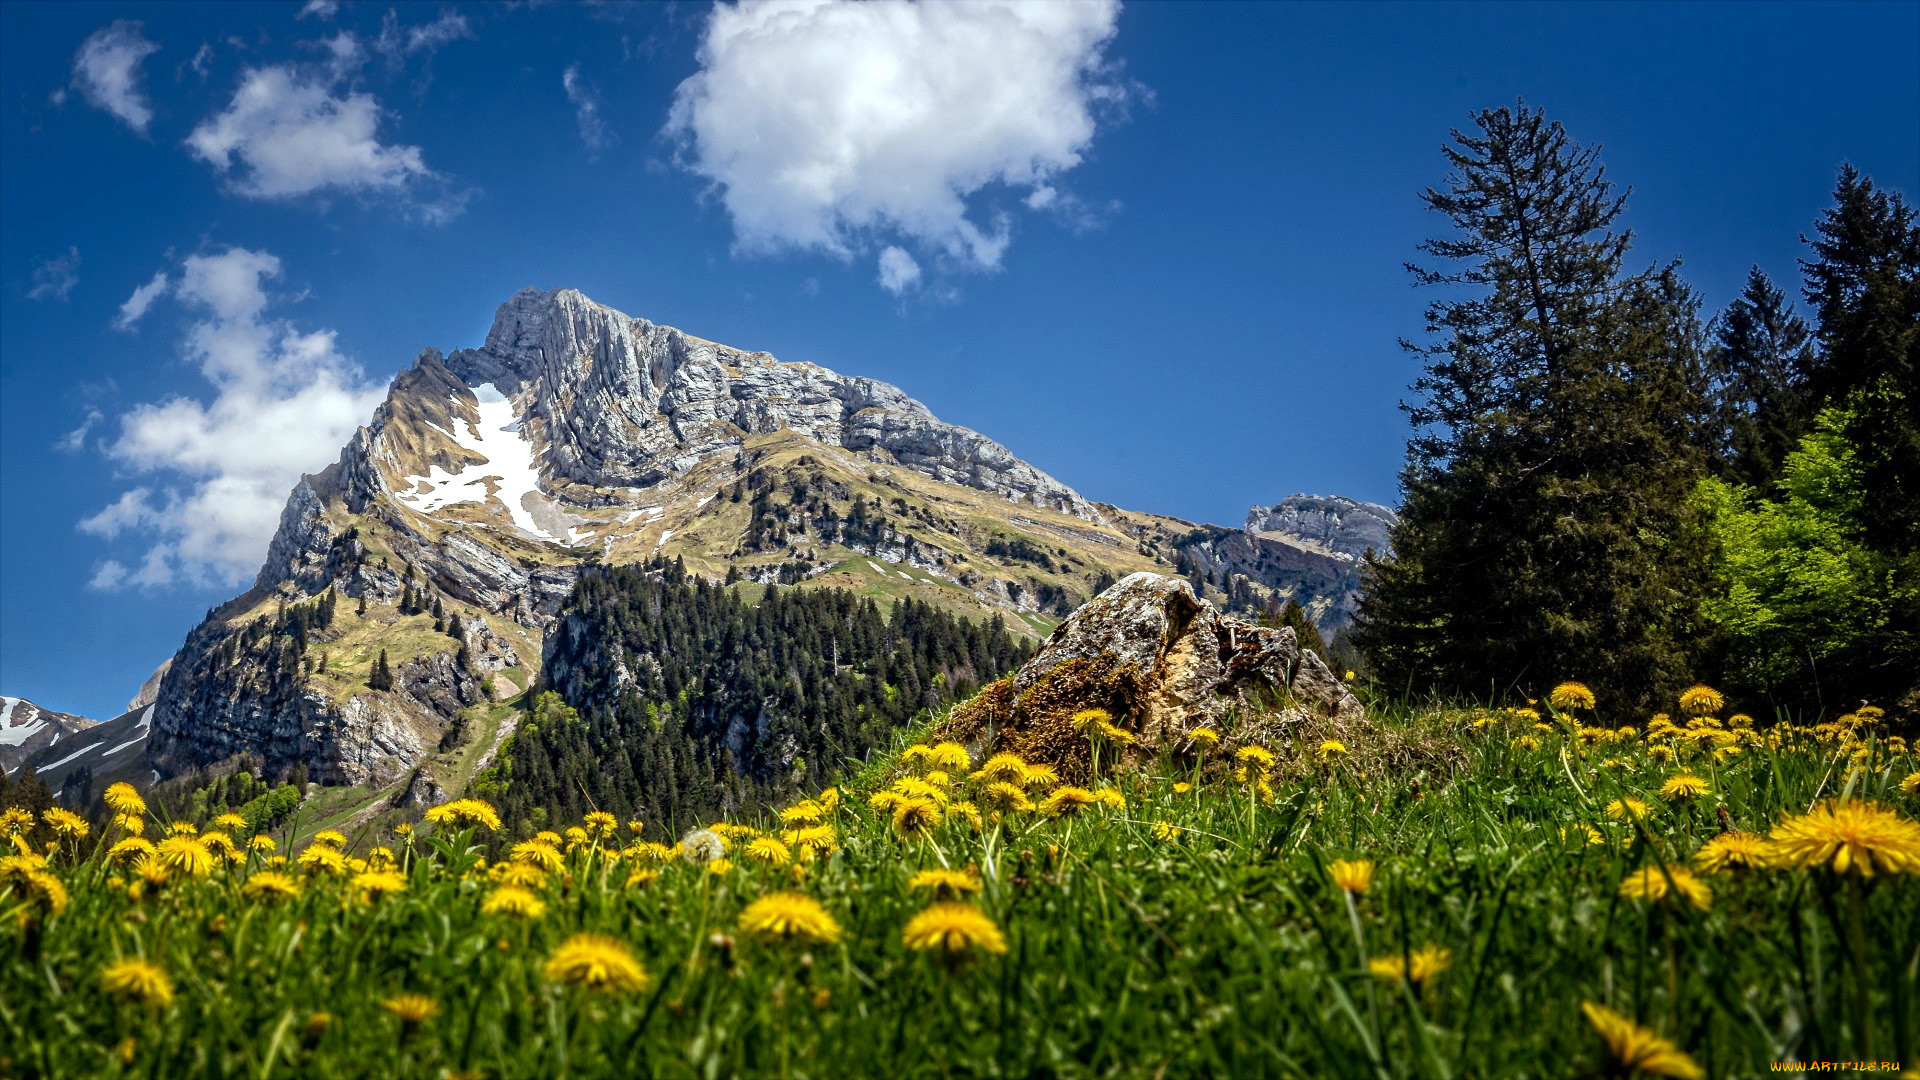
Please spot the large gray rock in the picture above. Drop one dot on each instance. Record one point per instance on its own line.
(1164, 663)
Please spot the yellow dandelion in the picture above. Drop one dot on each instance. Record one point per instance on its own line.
(129, 848)
(914, 787)
(1417, 968)
(331, 838)
(1731, 851)
(1654, 884)
(597, 962)
(643, 876)
(1701, 701)
(1042, 776)
(526, 875)
(135, 981)
(65, 822)
(271, 885)
(1627, 809)
(813, 838)
(1003, 795)
(1850, 837)
(123, 798)
(946, 884)
(465, 813)
(769, 851)
(1332, 748)
(535, 853)
(1636, 1048)
(183, 828)
(230, 823)
(953, 928)
(321, 859)
(1068, 800)
(964, 811)
(719, 867)
(1203, 737)
(1681, 786)
(806, 813)
(14, 821)
(1527, 742)
(1117, 735)
(950, 756)
(217, 842)
(48, 891)
(374, 885)
(1182, 788)
(914, 816)
(411, 1009)
(1004, 767)
(600, 824)
(1587, 832)
(1911, 785)
(131, 824)
(789, 916)
(1257, 758)
(1086, 721)
(261, 843)
(1165, 833)
(516, 901)
(1570, 695)
(184, 855)
(1352, 877)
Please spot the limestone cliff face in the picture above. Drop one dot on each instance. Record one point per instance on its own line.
(1341, 527)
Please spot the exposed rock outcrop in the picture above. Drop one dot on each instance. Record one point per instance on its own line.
(1342, 527)
(1163, 663)
(26, 729)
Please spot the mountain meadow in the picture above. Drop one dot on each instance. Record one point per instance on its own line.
(819, 738)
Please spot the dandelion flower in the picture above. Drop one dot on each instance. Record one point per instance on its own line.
(1087, 721)
(914, 787)
(1118, 735)
(769, 851)
(1204, 737)
(1424, 963)
(1332, 748)
(129, 848)
(953, 928)
(321, 859)
(136, 981)
(1352, 877)
(1911, 785)
(1182, 788)
(791, 916)
(719, 866)
(1003, 768)
(47, 890)
(946, 884)
(642, 876)
(1636, 1048)
(1731, 851)
(217, 842)
(1857, 836)
(271, 885)
(1068, 800)
(15, 821)
(806, 813)
(1651, 883)
(524, 874)
(374, 885)
(331, 838)
(515, 901)
(950, 757)
(122, 798)
(535, 853)
(1701, 701)
(1527, 742)
(600, 824)
(183, 828)
(1165, 833)
(411, 1009)
(1627, 809)
(886, 801)
(66, 823)
(913, 816)
(131, 824)
(967, 812)
(1003, 795)
(184, 855)
(1258, 758)
(1570, 695)
(261, 843)
(597, 962)
(230, 823)
(1042, 776)
(813, 838)
(1682, 786)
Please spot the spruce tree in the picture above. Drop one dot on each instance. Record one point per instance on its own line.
(1547, 530)
(381, 678)
(1761, 359)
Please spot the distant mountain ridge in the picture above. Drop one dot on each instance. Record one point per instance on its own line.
(445, 539)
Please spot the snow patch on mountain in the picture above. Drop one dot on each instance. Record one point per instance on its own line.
(509, 470)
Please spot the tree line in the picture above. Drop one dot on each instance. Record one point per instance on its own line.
(1602, 485)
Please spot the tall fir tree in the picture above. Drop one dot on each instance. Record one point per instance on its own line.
(1761, 360)
(1547, 526)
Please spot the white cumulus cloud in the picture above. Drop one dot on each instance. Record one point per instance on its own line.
(586, 107)
(287, 133)
(106, 71)
(898, 271)
(319, 9)
(284, 402)
(833, 125)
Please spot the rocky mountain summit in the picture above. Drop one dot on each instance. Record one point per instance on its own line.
(1343, 528)
(411, 585)
(26, 729)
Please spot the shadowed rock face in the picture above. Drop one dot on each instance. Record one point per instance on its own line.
(1164, 663)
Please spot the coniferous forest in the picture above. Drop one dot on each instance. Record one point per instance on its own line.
(675, 700)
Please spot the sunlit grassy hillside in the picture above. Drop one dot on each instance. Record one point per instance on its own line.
(1458, 893)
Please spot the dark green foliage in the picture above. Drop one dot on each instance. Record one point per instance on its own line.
(1020, 549)
(381, 677)
(1548, 530)
(1761, 359)
(674, 699)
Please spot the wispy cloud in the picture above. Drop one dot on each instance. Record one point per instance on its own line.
(586, 107)
(106, 71)
(143, 297)
(55, 278)
(319, 9)
(218, 471)
(840, 126)
(396, 42)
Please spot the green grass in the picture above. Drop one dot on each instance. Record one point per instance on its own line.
(1224, 950)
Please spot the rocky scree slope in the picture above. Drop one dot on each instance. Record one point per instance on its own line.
(411, 584)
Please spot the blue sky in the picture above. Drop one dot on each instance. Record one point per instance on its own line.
(1155, 249)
